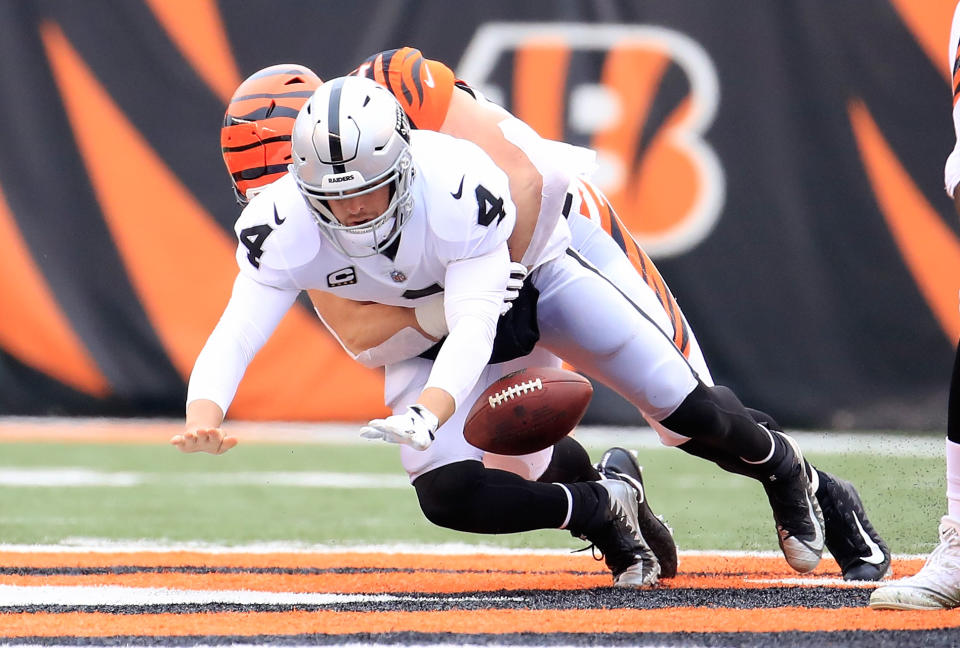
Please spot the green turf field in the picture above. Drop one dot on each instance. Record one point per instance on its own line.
(250, 495)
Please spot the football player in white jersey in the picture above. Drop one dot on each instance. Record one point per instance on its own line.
(255, 141)
(937, 585)
(364, 195)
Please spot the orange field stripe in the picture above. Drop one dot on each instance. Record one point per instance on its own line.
(698, 566)
(683, 619)
(477, 561)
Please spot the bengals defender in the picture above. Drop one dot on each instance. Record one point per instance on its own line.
(937, 585)
(434, 99)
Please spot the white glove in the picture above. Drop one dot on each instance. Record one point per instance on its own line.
(518, 272)
(415, 428)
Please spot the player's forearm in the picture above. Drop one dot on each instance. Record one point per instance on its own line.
(361, 325)
(203, 414)
(439, 402)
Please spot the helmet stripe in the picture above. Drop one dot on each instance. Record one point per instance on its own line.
(274, 95)
(244, 147)
(417, 65)
(333, 117)
(266, 112)
(386, 60)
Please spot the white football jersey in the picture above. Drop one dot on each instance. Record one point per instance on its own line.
(461, 209)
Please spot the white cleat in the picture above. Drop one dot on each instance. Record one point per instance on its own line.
(936, 586)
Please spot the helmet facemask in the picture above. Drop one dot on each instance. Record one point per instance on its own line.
(352, 139)
(378, 233)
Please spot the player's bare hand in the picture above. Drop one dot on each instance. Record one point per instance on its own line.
(212, 440)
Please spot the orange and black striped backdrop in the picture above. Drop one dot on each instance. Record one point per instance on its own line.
(780, 162)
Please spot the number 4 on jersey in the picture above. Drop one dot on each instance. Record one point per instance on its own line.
(489, 207)
(252, 239)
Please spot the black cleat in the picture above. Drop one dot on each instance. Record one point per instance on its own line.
(619, 463)
(851, 539)
(795, 510)
(616, 534)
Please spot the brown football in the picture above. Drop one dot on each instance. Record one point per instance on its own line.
(527, 410)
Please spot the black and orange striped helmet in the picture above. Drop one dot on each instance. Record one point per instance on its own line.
(255, 138)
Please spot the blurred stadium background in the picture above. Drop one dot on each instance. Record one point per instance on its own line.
(781, 161)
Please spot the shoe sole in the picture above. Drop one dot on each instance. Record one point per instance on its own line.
(633, 578)
(909, 599)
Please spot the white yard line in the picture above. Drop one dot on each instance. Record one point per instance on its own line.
(58, 477)
(640, 437)
(17, 596)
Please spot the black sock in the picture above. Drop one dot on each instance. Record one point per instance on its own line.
(570, 463)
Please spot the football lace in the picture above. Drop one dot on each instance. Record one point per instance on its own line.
(513, 391)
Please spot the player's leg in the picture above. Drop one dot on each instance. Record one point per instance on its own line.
(854, 543)
(588, 321)
(602, 238)
(456, 491)
(937, 585)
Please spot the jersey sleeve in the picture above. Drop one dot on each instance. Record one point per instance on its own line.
(252, 314)
(276, 236)
(422, 86)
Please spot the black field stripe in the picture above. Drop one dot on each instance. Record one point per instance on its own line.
(589, 266)
(333, 118)
(269, 140)
(307, 571)
(848, 639)
(590, 599)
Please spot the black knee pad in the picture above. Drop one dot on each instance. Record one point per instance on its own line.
(445, 493)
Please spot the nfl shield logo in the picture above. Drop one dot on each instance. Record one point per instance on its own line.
(398, 276)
